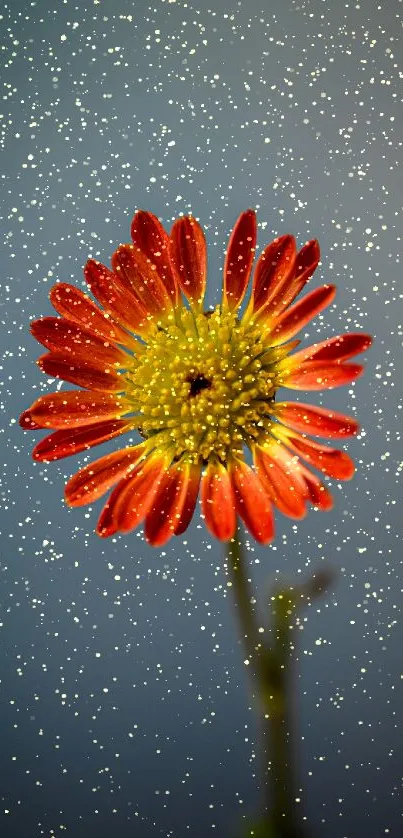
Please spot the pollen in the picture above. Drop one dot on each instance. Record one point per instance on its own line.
(204, 386)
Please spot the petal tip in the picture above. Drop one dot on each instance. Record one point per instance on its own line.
(105, 532)
(26, 421)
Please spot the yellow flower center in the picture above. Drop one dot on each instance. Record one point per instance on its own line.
(204, 384)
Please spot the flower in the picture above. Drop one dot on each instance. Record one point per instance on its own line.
(199, 386)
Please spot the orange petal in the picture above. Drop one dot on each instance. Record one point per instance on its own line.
(315, 375)
(218, 502)
(116, 297)
(274, 268)
(252, 502)
(339, 348)
(293, 319)
(89, 374)
(60, 335)
(278, 472)
(73, 304)
(188, 257)
(94, 480)
(150, 237)
(73, 440)
(330, 461)
(239, 259)
(141, 276)
(192, 491)
(132, 498)
(315, 420)
(167, 505)
(73, 408)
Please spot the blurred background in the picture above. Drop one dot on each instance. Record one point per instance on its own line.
(125, 703)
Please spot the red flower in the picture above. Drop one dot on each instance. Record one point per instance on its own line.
(199, 386)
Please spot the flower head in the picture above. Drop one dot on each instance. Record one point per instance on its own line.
(199, 386)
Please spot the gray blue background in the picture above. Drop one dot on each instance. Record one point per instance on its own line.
(125, 703)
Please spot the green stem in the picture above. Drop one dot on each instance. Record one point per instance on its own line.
(271, 665)
(243, 598)
(278, 725)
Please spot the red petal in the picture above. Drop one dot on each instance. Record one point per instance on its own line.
(28, 423)
(132, 498)
(189, 257)
(278, 472)
(239, 259)
(314, 375)
(94, 480)
(142, 277)
(339, 348)
(150, 237)
(274, 268)
(72, 441)
(192, 491)
(306, 263)
(87, 374)
(293, 319)
(317, 493)
(60, 335)
(76, 306)
(315, 420)
(218, 502)
(116, 297)
(74, 408)
(328, 460)
(290, 481)
(252, 502)
(167, 505)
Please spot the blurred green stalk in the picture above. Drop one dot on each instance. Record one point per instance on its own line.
(271, 667)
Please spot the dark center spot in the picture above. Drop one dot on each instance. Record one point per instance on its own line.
(198, 383)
